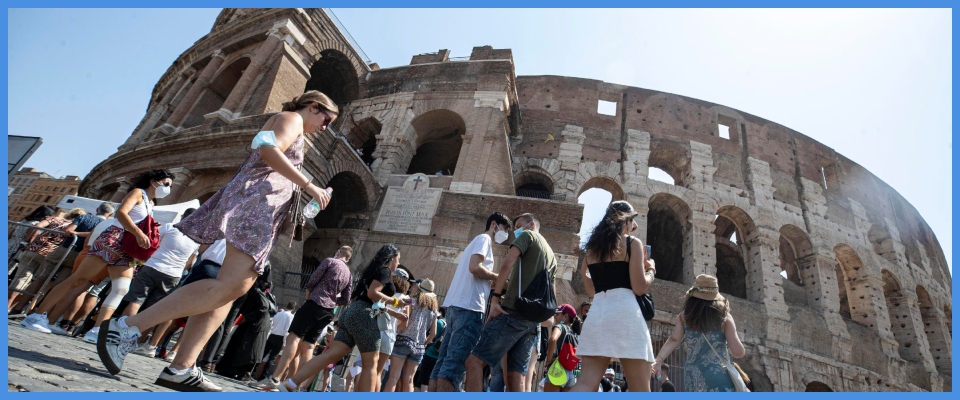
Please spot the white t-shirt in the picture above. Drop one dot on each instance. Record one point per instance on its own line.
(95, 233)
(215, 252)
(174, 251)
(280, 323)
(466, 291)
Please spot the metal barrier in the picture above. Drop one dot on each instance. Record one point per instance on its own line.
(11, 265)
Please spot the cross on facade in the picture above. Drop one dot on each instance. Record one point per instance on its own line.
(417, 184)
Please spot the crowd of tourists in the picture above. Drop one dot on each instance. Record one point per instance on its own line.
(198, 294)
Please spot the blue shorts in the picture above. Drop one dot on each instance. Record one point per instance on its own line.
(206, 269)
(508, 335)
(459, 337)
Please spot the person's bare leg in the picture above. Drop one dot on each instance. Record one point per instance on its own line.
(515, 381)
(432, 384)
(66, 307)
(396, 369)
(305, 354)
(369, 377)
(89, 302)
(474, 380)
(406, 379)
(308, 370)
(381, 365)
(195, 335)
(531, 372)
(637, 373)
(88, 269)
(159, 333)
(131, 310)
(591, 373)
(116, 272)
(289, 352)
(236, 277)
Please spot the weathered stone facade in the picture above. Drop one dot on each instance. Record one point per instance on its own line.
(866, 301)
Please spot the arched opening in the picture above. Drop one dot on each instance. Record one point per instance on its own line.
(818, 387)
(595, 202)
(106, 193)
(853, 291)
(363, 138)
(900, 319)
(439, 141)
(534, 183)
(213, 96)
(667, 228)
(733, 227)
(308, 265)
(348, 200)
(936, 337)
(794, 246)
(605, 183)
(672, 158)
(334, 75)
(660, 175)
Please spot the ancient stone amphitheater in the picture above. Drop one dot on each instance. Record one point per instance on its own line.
(836, 281)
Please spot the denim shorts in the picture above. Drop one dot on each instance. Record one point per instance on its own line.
(459, 337)
(508, 335)
(206, 269)
(404, 349)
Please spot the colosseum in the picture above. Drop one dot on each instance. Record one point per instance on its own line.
(836, 281)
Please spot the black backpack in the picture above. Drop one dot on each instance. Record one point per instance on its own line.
(537, 303)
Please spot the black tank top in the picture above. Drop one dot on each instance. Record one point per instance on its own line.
(611, 274)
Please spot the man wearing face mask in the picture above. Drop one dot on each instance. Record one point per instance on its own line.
(465, 303)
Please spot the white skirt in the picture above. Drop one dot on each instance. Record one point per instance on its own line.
(615, 328)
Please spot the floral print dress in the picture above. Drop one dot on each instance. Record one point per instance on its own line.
(250, 210)
(703, 371)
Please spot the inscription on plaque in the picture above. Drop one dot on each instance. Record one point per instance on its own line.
(409, 209)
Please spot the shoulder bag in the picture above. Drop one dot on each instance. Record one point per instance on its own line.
(646, 300)
(150, 227)
(738, 384)
(537, 303)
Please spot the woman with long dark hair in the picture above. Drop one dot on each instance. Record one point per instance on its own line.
(706, 327)
(358, 323)
(248, 212)
(618, 274)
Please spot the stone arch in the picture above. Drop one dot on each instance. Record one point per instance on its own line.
(901, 322)
(605, 183)
(670, 157)
(795, 247)
(668, 231)
(817, 386)
(852, 288)
(439, 139)
(363, 137)
(940, 346)
(213, 96)
(334, 75)
(534, 182)
(349, 199)
(106, 191)
(733, 229)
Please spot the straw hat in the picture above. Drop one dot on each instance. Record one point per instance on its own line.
(427, 286)
(705, 288)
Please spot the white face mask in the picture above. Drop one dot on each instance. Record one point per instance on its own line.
(162, 191)
(500, 236)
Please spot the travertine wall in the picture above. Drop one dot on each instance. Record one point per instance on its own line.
(865, 302)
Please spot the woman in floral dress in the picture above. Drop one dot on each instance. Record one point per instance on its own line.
(248, 212)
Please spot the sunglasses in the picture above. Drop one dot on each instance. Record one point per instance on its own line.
(327, 118)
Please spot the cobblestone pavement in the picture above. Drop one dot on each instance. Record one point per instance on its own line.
(40, 362)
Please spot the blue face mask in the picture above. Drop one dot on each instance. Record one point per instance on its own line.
(517, 232)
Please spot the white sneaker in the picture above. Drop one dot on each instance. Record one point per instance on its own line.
(192, 381)
(146, 350)
(114, 343)
(57, 330)
(170, 356)
(36, 322)
(266, 383)
(91, 336)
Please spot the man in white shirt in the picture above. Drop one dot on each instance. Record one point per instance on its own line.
(465, 303)
(160, 275)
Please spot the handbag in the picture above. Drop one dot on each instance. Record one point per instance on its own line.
(150, 227)
(568, 352)
(538, 302)
(738, 384)
(646, 300)
(294, 225)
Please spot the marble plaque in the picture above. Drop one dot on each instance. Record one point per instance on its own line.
(409, 209)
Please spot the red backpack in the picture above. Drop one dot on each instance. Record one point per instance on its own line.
(568, 350)
(148, 226)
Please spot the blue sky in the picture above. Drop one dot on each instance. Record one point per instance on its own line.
(875, 85)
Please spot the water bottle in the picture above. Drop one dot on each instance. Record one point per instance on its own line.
(313, 208)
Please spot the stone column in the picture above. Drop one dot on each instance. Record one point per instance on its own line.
(699, 247)
(183, 79)
(867, 307)
(763, 272)
(571, 149)
(906, 312)
(258, 65)
(701, 166)
(179, 113)
(396, 141)
(820, 281)
(121, 190)
(938, 337)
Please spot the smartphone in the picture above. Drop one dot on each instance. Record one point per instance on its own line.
(649, 249)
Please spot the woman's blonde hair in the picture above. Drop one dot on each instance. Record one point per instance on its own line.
(308, 98)
(428, 301)
(402, 284)
(74, 213)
